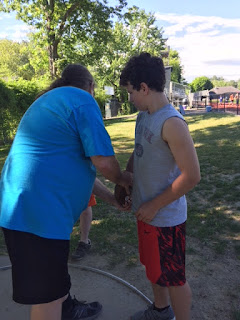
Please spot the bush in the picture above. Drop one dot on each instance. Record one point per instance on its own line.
(127, 108)
(25, 92)
(15, 98)
(7, 108)
(7, 97)
(101, 99)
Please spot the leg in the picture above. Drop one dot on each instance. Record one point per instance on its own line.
(66, 308)
(85, 224)
(181, 298)
(161, 296)
(149, 251)
(84, 244)
(161, 301)
(48, 311)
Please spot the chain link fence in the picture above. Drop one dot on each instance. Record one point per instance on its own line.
(221, 103)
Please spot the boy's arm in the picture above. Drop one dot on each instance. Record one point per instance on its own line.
(176, 134)
(129, 166)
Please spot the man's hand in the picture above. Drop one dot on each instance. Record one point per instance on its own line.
(126, 206)
(122, 197)
(126, 181)
(101, 191)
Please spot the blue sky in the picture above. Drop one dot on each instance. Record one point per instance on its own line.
(206, 33)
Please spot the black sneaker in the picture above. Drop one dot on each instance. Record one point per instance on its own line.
(150, 313)
(81, 310)
(82, 249)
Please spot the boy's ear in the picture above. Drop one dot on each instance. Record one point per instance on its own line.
(144, 87)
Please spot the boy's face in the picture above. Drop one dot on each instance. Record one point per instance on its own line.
(137, 97)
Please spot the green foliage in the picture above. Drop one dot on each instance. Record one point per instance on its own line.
(6, 96)
(25, 92)
(127, 108)
(60, 24)
(221, 82)
(38, 57)
(15, 98)
(7, 108)
(174, 61)
(15, 60)
(201, 83)
(135, 33)
(101, 98)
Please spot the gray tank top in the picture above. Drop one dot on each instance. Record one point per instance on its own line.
(155, 167)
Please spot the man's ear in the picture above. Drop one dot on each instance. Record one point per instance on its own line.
(91, 88)
(144, 87)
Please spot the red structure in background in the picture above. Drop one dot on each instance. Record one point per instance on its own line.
(224, 104)
(218, 98)
(224, 99)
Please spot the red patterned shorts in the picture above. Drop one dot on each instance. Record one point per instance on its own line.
(162, 252)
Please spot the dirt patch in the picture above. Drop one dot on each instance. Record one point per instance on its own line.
(214, 280)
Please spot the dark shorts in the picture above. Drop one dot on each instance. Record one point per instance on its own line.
(39, 267)
(162, 252)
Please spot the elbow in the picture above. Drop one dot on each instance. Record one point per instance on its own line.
(194, 180)
(101, 163)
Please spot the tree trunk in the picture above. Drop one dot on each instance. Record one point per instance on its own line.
(52, 57)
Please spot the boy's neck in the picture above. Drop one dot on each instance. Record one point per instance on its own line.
(157, 100)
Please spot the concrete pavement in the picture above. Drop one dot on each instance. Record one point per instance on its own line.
(119, 298)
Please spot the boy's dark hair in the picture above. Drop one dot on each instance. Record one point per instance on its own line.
(144, 68)
(74, 75)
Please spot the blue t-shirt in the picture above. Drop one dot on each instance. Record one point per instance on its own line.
(48, 176)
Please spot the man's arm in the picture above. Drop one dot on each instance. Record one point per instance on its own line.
(110, 169)
(175, 133)
(101, 191)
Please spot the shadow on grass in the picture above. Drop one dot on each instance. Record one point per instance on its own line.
(214, 208)
(112, 233)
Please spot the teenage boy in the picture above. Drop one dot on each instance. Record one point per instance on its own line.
(165, 167)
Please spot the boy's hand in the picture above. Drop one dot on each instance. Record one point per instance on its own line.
(146, 212)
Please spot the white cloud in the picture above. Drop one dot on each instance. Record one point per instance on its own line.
(5, 16)
(16, 32)
(207, 45)
(3, 35)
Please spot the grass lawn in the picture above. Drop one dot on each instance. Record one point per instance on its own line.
(213, 205)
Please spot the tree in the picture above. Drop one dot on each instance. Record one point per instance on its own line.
(134, 33)
(221, 82)
(232, 83)
(63, 22)
(174, 61)
(15, 60)
(201, 83)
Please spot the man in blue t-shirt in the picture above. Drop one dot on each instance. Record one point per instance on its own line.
(46, 183)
